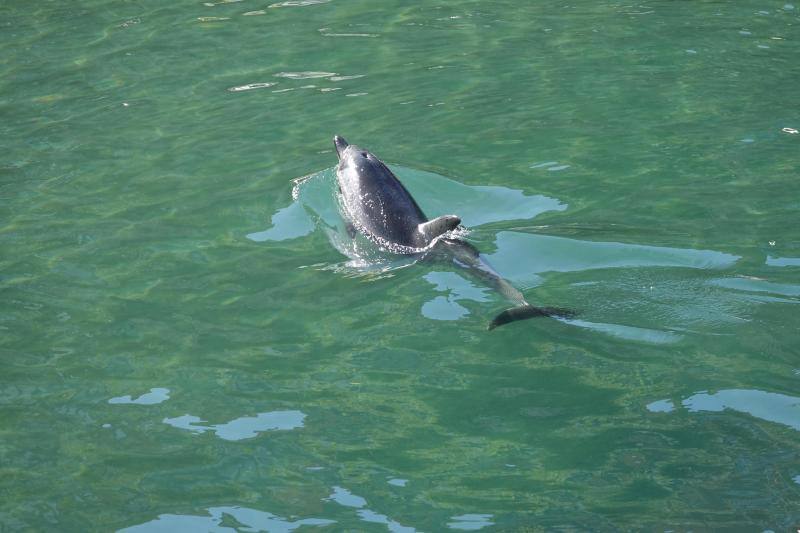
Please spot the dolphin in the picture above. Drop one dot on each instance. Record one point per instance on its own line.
(379, 207)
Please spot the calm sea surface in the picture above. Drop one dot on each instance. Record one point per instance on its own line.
(185, 347)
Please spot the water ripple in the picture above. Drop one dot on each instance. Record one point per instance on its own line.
(470, 522)
(783, 261)
(770, 406)
(458, 288)
(661, 406)
(253, 519)
(545, 253)
(346, 498)
(342, 78)
(632, 333)
(251, 86)
(746, 284)
(155, 396)
(299, 3)
(242, 428)
(303, 75)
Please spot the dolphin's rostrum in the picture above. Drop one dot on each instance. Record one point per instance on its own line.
(380, 208)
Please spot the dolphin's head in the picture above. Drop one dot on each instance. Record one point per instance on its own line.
(340, 145)
(352, 156)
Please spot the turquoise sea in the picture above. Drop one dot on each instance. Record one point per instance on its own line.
(184, 346)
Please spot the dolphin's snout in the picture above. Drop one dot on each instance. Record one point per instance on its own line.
(340, 145)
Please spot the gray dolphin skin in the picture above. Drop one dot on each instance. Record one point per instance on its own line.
(381, 209)
(379, 205)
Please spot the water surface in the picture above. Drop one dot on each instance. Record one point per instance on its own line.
(186, 347)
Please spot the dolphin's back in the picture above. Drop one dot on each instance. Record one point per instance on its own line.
(378, 202)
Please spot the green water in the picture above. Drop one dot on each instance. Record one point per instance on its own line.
(184, 349)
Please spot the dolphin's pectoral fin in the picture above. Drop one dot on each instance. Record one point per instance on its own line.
(522, 312)
(433, 228)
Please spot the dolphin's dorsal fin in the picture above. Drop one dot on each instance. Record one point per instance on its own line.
(433, 228)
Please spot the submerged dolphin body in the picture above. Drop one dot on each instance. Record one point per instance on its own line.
(380, 208)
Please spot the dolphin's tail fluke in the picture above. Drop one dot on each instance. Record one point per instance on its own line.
(521, 312)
